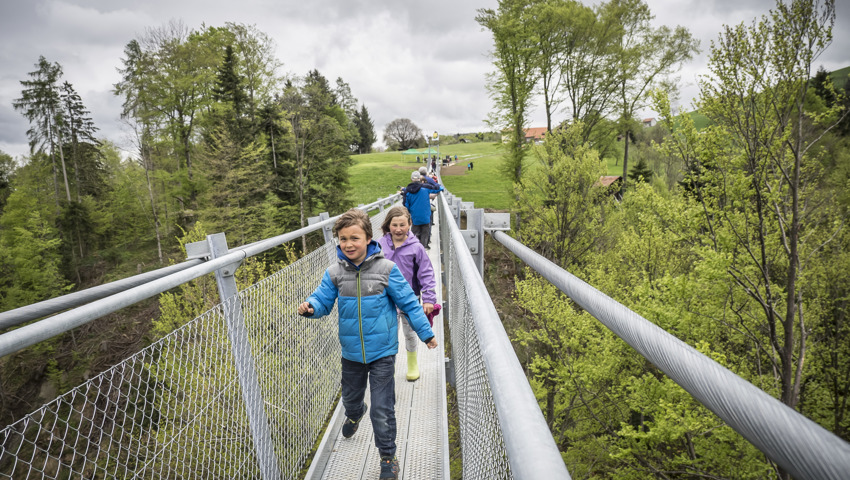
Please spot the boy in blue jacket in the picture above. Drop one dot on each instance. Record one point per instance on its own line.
(369, 288)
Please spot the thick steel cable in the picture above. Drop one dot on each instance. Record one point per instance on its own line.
(532, 452)
(797, 444)
(28, 335)
(20, 315)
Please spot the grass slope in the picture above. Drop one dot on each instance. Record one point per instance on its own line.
(377, 175)
(839, 77)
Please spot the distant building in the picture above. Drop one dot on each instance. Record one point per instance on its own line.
(649, 122)
(613, 183)
(532, 135)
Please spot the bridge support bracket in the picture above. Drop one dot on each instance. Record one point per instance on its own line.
(202, 250)
(327, 230)
(497, 221)
(474, 235)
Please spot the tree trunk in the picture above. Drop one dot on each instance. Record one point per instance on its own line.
(625, 162)
(64, 170)
(153, 205)
(274, 155)
(301, 197)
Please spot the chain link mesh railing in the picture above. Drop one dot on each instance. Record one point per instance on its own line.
(176, 410)
(482, 443)
(502, 430)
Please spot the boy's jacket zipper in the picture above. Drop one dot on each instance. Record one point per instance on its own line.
(360, 318)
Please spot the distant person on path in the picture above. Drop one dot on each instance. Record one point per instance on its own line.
(402, 247)
(431, 182)
(471, 166)
(417, 200)
(369, 288)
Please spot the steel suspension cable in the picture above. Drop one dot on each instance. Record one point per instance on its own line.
(797, 444)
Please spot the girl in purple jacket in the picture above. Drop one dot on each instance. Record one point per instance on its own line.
(402, 247)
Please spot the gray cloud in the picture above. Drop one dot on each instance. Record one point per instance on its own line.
(426, 61)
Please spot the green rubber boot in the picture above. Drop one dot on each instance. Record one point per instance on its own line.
(412, 367)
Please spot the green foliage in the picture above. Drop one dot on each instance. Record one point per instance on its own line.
(562, 207)
(365, 129)
(30, 244)
(512, 84)
(641, 172)
(7, 174)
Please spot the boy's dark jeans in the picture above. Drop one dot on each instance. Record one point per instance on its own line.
(381, 376)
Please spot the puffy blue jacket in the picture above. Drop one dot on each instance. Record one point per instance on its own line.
(368, 295)
(417, 200)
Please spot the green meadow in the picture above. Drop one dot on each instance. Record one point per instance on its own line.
(377, 175)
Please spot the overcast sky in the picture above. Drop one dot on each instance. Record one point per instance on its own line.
(421, 60)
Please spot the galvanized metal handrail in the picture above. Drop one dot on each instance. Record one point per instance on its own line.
(797, 444)
(24, 314)
(20, 338)
(531, 450)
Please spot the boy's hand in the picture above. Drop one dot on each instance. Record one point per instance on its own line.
(305, 309)
(432, 344)
(428, 308)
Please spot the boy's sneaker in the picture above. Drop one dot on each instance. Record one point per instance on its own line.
(349, 427)
(389, 467)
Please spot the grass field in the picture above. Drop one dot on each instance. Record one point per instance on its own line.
(377, 175)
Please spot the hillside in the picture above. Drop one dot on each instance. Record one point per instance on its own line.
(376, 175)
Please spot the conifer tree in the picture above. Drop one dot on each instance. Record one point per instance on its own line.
(366, 129)
(641, 172)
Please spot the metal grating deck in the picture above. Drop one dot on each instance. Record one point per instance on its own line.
(422, 426)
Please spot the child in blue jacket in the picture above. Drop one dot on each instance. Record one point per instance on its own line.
(369, 287)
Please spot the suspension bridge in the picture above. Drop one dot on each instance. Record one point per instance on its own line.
(249, 389)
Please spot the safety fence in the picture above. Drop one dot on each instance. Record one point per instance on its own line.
(242, 391)
(502, 430)
(797, 444)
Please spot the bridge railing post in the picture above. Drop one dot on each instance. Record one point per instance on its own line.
(243, 359)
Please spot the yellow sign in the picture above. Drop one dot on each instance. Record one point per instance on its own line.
(435, 136)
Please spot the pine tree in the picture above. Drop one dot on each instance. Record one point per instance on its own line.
(366, 129)
(229, 90)
(40, 103)
(79, 129)
(640, 172)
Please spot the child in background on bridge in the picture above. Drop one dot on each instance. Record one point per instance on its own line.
(402, 247)
(369, 287)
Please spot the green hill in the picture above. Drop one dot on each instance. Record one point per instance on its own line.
(839, 77)
(376, 175)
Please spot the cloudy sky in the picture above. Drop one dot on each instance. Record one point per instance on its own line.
(426, 61)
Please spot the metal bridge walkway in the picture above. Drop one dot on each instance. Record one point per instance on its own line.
(422, 425)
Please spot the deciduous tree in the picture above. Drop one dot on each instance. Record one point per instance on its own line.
(402, 132)
(511, 86)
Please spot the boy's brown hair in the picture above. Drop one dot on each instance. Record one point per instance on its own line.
(397, 211)
(354, 217)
